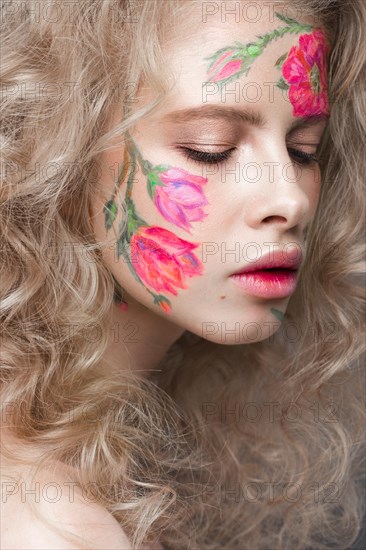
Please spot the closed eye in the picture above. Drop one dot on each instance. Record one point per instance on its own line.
(301, 157)
(204, 157)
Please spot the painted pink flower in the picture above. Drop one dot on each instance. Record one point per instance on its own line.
(227, 70)
(181, 199)
(305, 69)
(162, 260)
(219, 61)
(226, 65)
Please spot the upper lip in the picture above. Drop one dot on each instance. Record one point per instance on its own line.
(273, 260)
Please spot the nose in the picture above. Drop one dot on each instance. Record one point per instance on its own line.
(284, 196)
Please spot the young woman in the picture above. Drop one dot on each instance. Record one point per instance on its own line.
(182, 208)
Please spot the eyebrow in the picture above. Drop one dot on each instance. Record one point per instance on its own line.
(233, 114)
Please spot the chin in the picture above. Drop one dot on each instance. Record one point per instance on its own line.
(236, 333)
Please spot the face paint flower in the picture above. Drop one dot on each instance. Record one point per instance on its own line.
(163, 303)
(224, 67)
(305, 69)
(180, 199)
(162, 260)
(232, 62)
(156, 257)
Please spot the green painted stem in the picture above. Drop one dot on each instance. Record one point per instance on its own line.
(134, 151)
(279, 33)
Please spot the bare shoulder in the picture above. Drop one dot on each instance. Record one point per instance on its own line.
(50, 499)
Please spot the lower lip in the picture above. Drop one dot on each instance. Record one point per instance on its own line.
(274, 283)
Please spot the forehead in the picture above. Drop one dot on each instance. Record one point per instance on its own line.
(208, 43)
(200, 33)
(236, 14)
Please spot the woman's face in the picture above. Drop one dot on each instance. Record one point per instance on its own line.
(217, 179)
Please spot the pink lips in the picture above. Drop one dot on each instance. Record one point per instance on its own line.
(273, 276)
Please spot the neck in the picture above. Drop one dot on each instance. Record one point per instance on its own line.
(139, 338)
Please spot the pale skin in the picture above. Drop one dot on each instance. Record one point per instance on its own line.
(274, 208)
(269, 210)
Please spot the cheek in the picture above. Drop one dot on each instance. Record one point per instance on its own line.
(170, 199)
(152, 210)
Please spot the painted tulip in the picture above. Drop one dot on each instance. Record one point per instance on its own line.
(162, 260)
(233, 62)
(225, 66)
(230, 69)
(305, 69)
(181, 199)
(220, 59)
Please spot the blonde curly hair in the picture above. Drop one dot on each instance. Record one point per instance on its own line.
(253, 446)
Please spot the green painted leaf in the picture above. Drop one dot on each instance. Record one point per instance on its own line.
(122, 228)
(282, 84)
(146, 166)
(110, 213)
(280, 60)
(277, 313)
(149, 189)
(293, 23)
(121, 246)
(154, 179)
(162, 167)
(286, 20)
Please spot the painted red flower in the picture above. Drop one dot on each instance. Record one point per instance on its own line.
(305, 69)
(162, 260)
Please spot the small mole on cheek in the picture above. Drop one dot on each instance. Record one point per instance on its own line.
(222, 297)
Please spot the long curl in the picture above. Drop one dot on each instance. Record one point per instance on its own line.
(254, 446)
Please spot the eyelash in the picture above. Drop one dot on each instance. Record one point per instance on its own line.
(204, 157)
